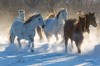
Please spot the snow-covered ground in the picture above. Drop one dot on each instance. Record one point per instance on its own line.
(50, 53)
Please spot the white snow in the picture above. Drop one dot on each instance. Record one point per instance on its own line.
(50, 54)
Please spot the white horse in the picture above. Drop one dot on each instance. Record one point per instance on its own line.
(21, 16)
(25, 30)
(54, 26)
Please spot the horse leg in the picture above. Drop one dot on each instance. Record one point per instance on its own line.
(12, 38)
(66, 42)
(72, 44)
(78, 45)
(62, 40)
(32, 42)
(29, 44)
(18, 39)
(56, 35)
(49, 37)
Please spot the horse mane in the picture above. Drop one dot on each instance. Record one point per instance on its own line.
(80, 24)
(57, 16)
(77, 27)
(87, 22)
(32, 18)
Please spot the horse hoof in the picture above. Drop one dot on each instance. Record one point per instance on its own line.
(32, 50)
(79, 52)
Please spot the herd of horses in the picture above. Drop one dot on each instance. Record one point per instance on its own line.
(67, 28)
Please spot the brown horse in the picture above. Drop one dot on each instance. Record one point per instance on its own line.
(73, 30)
(90, 20)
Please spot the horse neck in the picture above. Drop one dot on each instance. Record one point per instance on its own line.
(21, 18)
(78, 27)
(59, 19)
(87, 24)
(32, 24)
(83, 25)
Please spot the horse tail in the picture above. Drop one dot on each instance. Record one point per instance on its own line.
(10, 37)
(41, 32)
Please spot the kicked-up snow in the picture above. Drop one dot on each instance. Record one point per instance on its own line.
(50, 53)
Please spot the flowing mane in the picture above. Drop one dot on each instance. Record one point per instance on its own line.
(87, 21)
(57, 16)
(80, 24)
(32, 18)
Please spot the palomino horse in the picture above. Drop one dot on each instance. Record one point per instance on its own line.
(54, 26)
(25, 30)
(77, 36)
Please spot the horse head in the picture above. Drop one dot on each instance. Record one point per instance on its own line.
(64, 14)
(21, 15)
(92, 19)
(40, 20)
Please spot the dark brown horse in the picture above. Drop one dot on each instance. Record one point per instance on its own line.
(90, 20)
(74, 29)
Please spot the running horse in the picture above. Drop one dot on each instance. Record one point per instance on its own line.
(54, 26)
(74, 29)
(90, 20)
(25, 30)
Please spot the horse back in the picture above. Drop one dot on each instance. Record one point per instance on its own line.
(69, 27)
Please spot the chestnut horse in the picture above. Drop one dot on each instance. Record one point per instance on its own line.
(74, 29)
